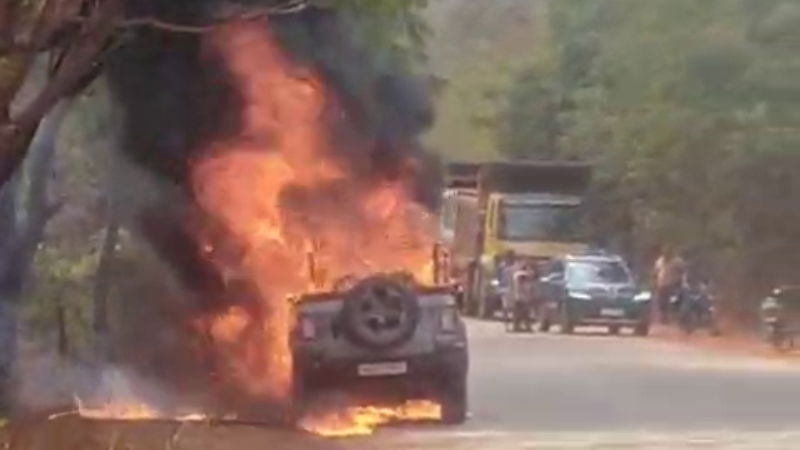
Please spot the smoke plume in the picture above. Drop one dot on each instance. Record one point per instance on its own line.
(181, 97)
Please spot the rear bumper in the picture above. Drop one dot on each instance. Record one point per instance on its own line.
(423, 374)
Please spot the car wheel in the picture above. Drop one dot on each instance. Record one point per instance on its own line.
(779, 341)
(454, 402)
(613, 330)
(567, 325)
(643, 329)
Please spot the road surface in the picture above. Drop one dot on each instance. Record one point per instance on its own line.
(586, 391)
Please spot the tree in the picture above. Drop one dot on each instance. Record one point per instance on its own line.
(74, 40)
(689, 111)
(73, 36)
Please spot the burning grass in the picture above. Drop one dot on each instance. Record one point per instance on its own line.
(363, 420)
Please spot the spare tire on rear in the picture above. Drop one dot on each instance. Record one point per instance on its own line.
(380, 312)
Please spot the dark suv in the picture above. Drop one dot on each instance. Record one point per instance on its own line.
(595, 289)
(387, 339)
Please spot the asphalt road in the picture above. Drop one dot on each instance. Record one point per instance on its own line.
(551, 391)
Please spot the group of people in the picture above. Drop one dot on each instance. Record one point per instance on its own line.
(518, 284)
(686, 282)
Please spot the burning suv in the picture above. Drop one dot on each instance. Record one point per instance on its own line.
(386, 338)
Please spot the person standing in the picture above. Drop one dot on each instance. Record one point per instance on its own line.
(524, 296)
(667, 277)
(505, 276)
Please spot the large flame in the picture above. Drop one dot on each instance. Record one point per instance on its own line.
(362, 420)
(299, 216)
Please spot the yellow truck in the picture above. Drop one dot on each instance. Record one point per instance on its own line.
(533, 209)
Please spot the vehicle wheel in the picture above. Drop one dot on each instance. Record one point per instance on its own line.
(780, 342)
(780, 345)
(454, 402)
(613, 330)
(643, 329)
(567, 326)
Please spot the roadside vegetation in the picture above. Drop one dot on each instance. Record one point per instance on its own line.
(690, 112)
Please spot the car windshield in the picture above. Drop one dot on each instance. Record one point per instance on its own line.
(539, 222)
(597, 272)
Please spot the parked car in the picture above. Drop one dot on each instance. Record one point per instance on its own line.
(385, 338)
(592, 289)
(780, 317)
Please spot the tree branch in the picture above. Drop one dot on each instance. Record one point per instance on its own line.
(80, 60)
(45, 41)
(291, 7)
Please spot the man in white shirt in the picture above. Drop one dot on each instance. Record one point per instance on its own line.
(667, 276)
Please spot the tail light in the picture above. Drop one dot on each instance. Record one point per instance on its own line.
(308, 329)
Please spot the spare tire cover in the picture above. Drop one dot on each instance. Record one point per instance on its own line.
(380, 312)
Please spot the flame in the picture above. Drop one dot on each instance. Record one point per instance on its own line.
(281, 193)
(363, 420)
(133, 411)
(117, 396)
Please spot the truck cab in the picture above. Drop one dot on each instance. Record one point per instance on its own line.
(534, 226)
(530, 208)
(540, 226)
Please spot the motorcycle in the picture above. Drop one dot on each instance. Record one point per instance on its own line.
(780, 318)
(694, 308)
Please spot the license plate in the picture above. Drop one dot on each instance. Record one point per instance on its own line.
(382, 369)
(612, 312)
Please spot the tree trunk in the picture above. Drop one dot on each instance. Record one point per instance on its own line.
(102, 287)
(77, 64)
(61, 324)
(23, 223)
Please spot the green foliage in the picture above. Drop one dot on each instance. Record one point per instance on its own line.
(394, 29)
(62, 281)
(66, 261)
(690, 111)
(477, 46)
